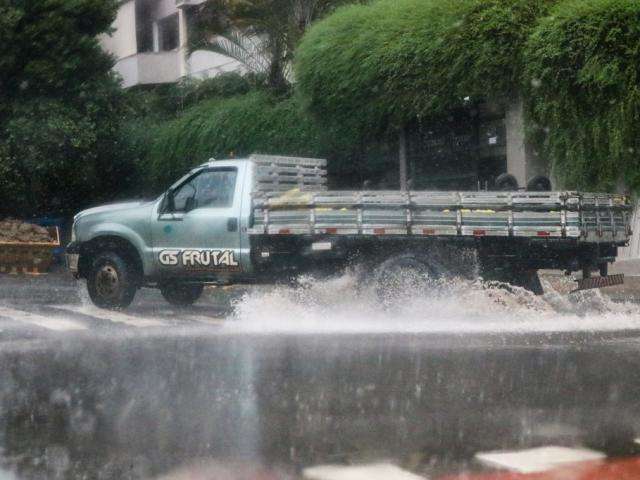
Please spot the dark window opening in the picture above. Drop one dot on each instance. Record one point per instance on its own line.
(144, 27)
(168, 32)
(465, 151)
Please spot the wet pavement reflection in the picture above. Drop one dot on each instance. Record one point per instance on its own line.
(141, 405)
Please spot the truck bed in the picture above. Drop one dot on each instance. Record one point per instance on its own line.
(584, 217)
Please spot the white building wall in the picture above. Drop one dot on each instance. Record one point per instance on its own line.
(122, 42)
(139, 68)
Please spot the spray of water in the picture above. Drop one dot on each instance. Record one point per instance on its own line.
(343, 305)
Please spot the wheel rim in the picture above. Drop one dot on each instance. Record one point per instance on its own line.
(107, 281)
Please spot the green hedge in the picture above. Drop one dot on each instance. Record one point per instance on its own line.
(582, 85)
(234, 127)
(377, 66)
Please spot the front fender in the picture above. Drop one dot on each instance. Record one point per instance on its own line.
(126, 233)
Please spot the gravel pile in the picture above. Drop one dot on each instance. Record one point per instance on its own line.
(12, 230)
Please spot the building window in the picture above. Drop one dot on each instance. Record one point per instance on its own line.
(144, 27)
(168, 32)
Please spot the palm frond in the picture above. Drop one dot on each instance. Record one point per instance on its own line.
(247, 49)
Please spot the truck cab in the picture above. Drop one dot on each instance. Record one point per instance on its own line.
(195, 233)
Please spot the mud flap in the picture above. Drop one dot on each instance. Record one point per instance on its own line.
(527, 279)
(599, 282)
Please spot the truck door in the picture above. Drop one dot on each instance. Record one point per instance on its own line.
(197, 232)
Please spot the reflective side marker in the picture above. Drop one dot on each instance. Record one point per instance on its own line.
(479, 233)
(544, 234)
(284, 231)
(378, 231)
(321, 246)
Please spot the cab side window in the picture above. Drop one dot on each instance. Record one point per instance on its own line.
(215, 188)
(184, 196)
(210, 189)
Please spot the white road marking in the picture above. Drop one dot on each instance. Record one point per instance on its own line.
(538, 459)
(48, 322)
(380, 471)
(113, 316)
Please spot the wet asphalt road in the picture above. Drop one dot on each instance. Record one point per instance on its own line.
(86, 393)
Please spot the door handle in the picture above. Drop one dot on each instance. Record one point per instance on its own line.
(232, 224)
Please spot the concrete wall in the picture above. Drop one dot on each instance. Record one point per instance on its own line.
(149, 68)
(161, 67)
(122, 42)
(522, 161)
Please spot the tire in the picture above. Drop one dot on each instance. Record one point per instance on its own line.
(181, 294)
(403, 274)
(506, 183)
(539, 183)
(112, 281)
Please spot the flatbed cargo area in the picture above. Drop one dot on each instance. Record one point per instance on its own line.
(589, 217)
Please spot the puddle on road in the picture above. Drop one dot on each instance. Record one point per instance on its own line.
(140, 407)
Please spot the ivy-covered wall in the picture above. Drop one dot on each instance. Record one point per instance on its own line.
(582, 85)
(373, 68)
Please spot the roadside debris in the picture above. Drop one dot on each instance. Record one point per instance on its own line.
(13, 230)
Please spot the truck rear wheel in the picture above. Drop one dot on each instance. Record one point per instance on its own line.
(403, 274)
(111, 281)
(181, 294)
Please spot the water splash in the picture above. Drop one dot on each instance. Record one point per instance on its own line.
(343, 305)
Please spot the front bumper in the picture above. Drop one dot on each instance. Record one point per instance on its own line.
(72, 257)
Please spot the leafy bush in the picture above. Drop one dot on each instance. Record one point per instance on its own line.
(60, 108)
(582, 84)
(381, 65)
(50, 48)
(237, 126)
(57, 158)
(167, 101)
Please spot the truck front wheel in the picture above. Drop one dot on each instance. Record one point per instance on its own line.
(111, 281)
(181, 295)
